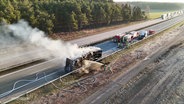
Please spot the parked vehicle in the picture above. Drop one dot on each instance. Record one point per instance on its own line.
(164, 16)
(151, 32)
(135, 34)
(117, 38)
(142, 34)
(127, 38)
(172, 14)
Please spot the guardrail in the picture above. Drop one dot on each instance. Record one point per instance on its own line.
(43, 78)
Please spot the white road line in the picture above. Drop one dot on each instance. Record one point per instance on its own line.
(14, 85)
(34, 88)
(100, 95)
(28, 68)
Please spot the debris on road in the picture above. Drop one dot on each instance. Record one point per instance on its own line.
(119, 66)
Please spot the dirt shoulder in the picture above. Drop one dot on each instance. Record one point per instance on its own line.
(80, 88)
(120, 82)
(153, 84)
(66, 36)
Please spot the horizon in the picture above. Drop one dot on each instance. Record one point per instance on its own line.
(159, 1)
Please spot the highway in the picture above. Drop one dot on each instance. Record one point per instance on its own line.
(23, 57)
(15, 60)
(103, 94)
(53, 67)
(112, 47)
(106, 35)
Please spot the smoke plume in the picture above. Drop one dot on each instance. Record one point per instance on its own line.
(22, 32)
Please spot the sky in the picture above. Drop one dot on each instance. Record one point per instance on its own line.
(152, 0)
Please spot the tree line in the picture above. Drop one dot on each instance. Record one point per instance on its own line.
(68, 15)
(159, 7)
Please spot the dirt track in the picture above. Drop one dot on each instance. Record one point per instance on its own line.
(161, 82)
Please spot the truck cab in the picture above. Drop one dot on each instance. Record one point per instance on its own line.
(117, 38)
(72, 64)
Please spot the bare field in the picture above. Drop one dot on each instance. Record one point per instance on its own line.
(66, 36)
(154, 15)
(161, 82)
(80, 89)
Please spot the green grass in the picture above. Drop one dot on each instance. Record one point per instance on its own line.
(49, 89)
(154, 15)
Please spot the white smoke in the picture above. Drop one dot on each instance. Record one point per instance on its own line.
(58, 48)
(6, 37)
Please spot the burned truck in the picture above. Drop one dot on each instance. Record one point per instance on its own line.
(93, 55)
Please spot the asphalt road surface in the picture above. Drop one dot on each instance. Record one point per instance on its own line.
(161, 84)
(110, 34)
(109, 46)
(14, 60)
(51, 66)
(22, 57)
(150, 88)
(27, 56)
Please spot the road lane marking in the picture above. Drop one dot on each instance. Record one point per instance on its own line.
(29, 68)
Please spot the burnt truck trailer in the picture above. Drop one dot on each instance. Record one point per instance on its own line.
(72, 64)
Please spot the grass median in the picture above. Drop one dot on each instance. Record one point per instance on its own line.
(67, 81)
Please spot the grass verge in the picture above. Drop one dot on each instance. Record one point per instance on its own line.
(50, 89)
(132, 47)
(154, 15)
(67, 36)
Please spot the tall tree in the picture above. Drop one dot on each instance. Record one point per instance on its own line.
(98, 13)
(72, 22)
(66, 15)
(126, 12)
(108, 11)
